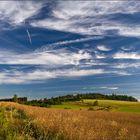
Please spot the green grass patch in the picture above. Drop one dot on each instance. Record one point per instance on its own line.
(69, 105)
(107, 105)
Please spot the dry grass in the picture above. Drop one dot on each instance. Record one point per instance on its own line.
(83, 125)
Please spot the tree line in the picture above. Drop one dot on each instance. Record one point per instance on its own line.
(15, 99)
(77, 97)
(46, 102)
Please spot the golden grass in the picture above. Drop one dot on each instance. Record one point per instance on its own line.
(83, 125)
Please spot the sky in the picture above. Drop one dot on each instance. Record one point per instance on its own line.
(51, 48)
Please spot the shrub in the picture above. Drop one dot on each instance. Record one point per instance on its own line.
(95, 103)
(90, 108)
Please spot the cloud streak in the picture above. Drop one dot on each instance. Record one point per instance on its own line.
(110, 88)
(20, 77)
(68, 42)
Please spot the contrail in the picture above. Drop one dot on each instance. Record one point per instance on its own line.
(27, 31)
(29, 36)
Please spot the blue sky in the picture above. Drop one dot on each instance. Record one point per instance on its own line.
(51, 48)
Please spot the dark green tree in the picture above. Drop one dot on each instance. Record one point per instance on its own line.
(15, 98)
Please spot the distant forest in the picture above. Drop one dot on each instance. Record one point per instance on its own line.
(68, 98)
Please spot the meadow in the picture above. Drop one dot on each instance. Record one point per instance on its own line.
(40, 123)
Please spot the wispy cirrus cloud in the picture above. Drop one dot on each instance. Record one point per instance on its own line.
(43, 67)
(38, 75)
(16, 12)
(94, 8)
(60, 58)
(126, 65)
(41, 74)
(91, 18)
(87, 18)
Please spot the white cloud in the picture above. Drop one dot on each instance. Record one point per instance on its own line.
(85, 72)
(103, 48)
(111, 88)
(125, 55)
(132, 30)
(100, 56)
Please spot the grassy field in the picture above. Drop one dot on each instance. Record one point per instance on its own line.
(109, 105)
(36, 123)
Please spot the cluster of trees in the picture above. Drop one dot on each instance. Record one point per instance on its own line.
(104, 96)
(77, 97)
(44, 102)
(15, 99)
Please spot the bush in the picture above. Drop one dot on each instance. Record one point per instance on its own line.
(90, 108)
(95, 103)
